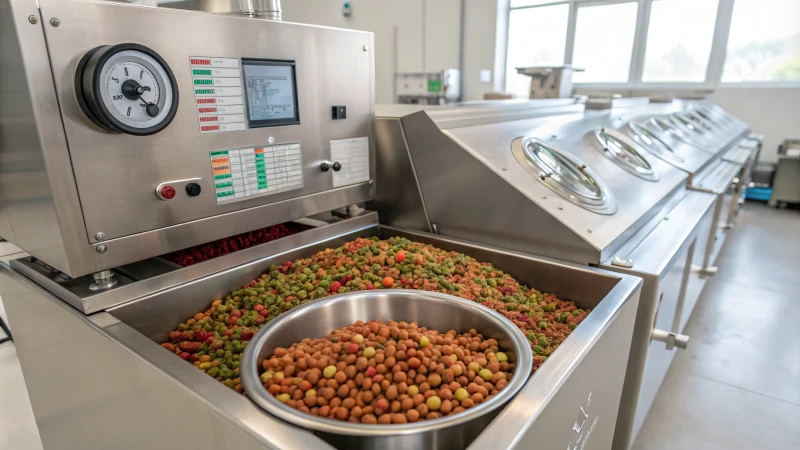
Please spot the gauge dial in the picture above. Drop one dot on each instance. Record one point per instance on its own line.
(126, 88)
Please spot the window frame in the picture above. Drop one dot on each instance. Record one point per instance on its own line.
(572, 25)
(714, 69)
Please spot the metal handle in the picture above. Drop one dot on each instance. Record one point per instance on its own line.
(674, 338)
(671, 339)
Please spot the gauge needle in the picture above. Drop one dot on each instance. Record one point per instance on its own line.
(150, 108)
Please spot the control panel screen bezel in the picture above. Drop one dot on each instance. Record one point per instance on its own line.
(261, 123)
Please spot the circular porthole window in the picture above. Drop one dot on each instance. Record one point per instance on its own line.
(652, 142)
(614, 146)
(675, 132)
(564, 174)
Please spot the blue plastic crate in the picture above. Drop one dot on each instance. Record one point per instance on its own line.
(758, 193)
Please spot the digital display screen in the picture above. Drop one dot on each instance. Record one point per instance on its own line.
(271, 92)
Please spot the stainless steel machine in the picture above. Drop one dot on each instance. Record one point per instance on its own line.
(642, 188)
(129, 132)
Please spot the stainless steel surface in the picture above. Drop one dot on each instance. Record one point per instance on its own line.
(741, 154)
(675, 152)
(475, 143)
(484, 112)
(155, 274)
(398, 201)
(231, 7)
(493, 200)
(543, 417)
(623, 152)
(580, 366)
(464, 203)
(432, 310)
(103, 280)
(97, 165)
(661, 258)
(637, 199)
(121, 347)
(716, 179)
(261, 9)
(786, 184)
(121, 390)
(719, 181)
(37, 189)
(622, 262)
(564, 174)
(675, 131)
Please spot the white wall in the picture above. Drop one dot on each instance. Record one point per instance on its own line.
(480, 17)
(410, 35)
(771, 111)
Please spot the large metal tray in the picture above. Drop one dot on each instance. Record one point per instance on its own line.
(132, 380)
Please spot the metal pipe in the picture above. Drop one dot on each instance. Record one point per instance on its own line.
(261, 9)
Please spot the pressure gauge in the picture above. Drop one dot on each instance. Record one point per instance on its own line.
(126, 88)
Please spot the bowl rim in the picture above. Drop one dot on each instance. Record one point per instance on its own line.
(255, 391)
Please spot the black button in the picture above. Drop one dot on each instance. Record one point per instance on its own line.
(336, 166)
(193, 189)
(324, 167)
(339, 112)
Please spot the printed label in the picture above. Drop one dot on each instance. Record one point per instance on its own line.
(243, 173)
(353, 155)
(218, 94)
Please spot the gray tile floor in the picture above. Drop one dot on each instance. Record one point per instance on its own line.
(737, 386)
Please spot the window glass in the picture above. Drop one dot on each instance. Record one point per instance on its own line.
(764, 41)
(523, 3)
(679, 40)
(604, 42)
(536, 37)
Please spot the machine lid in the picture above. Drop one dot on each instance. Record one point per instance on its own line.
(688, 122)
(564, 174)
(696, 133)
(614, 146)
(651, 141)
(705, 123)
(671, 129)
(713, 116)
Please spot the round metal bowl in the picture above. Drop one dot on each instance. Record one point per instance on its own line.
(433, 310)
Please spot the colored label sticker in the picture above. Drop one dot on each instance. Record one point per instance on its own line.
(218, 94)
(434, 85)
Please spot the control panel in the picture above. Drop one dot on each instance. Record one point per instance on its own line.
(221, 129)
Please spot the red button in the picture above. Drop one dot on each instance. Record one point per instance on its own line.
(167, 192)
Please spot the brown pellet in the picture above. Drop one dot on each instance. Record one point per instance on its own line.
(388, 363)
